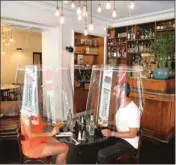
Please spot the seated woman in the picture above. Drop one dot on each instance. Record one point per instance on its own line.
(127, 121)
(38, 144)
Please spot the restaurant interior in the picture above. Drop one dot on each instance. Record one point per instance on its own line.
(63, 60)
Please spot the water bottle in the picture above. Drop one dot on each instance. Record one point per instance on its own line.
(91, 126)
(69, 119)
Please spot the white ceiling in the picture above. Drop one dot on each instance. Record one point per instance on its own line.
(40, 14)
(122, 8)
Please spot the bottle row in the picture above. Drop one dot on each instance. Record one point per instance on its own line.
(117, 53)
(166, 25)
(139, 47)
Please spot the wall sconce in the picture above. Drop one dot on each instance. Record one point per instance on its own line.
(19, 49)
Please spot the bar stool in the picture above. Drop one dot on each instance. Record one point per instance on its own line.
(131, 157)
(26, 160)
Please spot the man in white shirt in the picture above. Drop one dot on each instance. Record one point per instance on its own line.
(127, 122)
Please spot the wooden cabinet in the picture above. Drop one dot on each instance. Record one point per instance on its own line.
(158, 117)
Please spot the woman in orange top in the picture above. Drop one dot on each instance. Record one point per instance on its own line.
(38, 144)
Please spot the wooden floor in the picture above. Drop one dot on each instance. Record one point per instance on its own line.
(151, 152)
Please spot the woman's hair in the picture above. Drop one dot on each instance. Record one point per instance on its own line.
(126, 87)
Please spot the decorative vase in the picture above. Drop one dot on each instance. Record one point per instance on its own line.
(161, 73)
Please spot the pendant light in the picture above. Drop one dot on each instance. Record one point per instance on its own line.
(57, 12)
(62, 20)
(73, 4)
(79, 9)
(11, 38)
(79, 17)
(114, 14)
(85, 28)
(91, 21)
(3, 50)
(3, 36)
(132, 5)
(99, 8)
(85, 12)
(108, 5)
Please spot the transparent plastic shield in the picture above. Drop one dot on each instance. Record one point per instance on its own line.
(46, 92)
(112, 88)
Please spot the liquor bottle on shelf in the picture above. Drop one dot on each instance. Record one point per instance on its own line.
(115, 53)
(142, 35)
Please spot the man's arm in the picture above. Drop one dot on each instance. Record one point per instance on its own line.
(130, 134)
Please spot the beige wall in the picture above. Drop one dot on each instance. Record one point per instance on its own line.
(30, 42)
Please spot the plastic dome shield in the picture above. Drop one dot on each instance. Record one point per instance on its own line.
(47, 92)
(108, 91)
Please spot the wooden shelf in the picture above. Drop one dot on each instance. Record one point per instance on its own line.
(116, 38)
(87, 46)
(118, 45)
(137, 52)
(117, 58)
(84, 54)
(165, 30)
(145, 39)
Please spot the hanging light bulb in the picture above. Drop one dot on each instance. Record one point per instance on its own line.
(79, 17)
(99, 8)
(132, 5)
(79, 9)
(62, 20)
(85, 32)
(57, 12)
(3, 40)
(114, 14)
(85, 12)
(108, 5)
(91, 26)
(65, 2)
(3, 52)
(73, 5)
(11, 40)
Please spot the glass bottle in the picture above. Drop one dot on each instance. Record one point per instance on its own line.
(91, 126)
(69, 119)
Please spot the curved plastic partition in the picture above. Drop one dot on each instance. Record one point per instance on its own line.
(47, 92)
(109, 88)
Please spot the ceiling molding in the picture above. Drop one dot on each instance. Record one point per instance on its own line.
(25, 23)
(155, 16)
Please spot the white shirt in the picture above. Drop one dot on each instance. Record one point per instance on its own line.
(128, 117)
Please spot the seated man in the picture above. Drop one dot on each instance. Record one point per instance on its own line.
(127, 120)
(38, 144)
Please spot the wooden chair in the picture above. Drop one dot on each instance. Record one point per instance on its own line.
(131, 157)
(27, 160)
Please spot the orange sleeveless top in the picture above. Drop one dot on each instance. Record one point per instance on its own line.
(31, 144)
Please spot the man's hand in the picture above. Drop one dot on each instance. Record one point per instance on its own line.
(106, 132)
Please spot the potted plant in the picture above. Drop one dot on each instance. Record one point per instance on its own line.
(163, 49)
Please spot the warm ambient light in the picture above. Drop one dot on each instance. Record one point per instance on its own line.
(79, 17)
(62, 19)
(11, 40)
(3, 52)
(91, 26)
(99, 8)
(85, 32)
(79, 10)
(132, 5)
(4, 40)
(57, 13)
(65, 1)
(108, 5)
(7, 43)
(114, 14)
(73, 5)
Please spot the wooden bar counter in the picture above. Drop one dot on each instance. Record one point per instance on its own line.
(158, 117)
